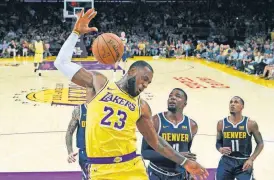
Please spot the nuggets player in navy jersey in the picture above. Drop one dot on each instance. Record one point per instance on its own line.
(78, 121)
(234, 135)
(113, 115)
(178, 130)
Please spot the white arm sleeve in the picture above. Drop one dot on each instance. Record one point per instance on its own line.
(63, 61)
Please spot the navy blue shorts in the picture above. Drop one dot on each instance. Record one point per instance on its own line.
(83, 164)
(124, 57)
(231, 168)
(155, 173)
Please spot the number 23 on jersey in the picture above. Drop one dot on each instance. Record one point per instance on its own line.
(109, 113)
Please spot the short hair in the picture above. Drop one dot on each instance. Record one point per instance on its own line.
(184, 93)
(142, 64)
(242, 101)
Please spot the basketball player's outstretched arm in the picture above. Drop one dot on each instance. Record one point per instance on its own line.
(146, 128)
(254, 129)
(73, 124)
(73, 71)
(148, 152)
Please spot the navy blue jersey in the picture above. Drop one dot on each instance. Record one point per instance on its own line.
(80, 136)
(178, 136)
(237, 138)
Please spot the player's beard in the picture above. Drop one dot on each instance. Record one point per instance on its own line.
(232, 113)
(172, 109)
(131, 86)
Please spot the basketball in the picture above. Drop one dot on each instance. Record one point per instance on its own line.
(108, 48)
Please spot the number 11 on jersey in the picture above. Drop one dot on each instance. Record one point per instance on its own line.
(176, 146)
(235, 145)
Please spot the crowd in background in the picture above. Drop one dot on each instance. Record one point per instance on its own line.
(235, 33)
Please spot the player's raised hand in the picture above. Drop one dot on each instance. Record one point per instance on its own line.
(195, 169)
(83, 19)
(71, 157)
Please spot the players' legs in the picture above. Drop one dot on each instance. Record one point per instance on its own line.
(35, 66)
(244, 176)
(155, 173)
(124, 59)
(225, 169)
(83, 164)
(240, 174)
(38, 68)
(38, 58)
(114, 70)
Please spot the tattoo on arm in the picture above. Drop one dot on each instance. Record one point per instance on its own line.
(258, 138)
(71, 128)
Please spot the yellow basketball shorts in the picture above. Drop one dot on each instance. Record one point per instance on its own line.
(38, 57)
(133, 169)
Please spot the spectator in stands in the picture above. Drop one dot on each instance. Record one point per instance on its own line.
(187, 48)
(142, 48)
(268, 72)
(154, 48)
(239, 62)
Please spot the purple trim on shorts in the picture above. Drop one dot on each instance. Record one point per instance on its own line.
(113, 160)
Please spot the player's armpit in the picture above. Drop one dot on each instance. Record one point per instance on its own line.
(254, 129)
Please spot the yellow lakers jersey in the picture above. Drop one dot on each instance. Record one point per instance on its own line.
(124, 41)
(39, 47)
(111, 123)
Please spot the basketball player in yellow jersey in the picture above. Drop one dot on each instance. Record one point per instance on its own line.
(114, 113)
(38, 56)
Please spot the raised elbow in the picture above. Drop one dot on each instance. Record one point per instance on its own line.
(261, 144)
(56, 64)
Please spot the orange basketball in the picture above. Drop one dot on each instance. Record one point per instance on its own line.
(108, 48)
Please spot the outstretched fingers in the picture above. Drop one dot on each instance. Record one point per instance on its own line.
(79, 15)
(92, 29)
(90, 14)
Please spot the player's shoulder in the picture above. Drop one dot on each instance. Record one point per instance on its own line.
(145, 108)
(157, 116)
(221, 121)
(193, 122)
(220, 124)
(252, 123)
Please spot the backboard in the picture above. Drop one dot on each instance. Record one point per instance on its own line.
(72, 7)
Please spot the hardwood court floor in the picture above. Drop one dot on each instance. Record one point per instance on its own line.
(35, 113)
